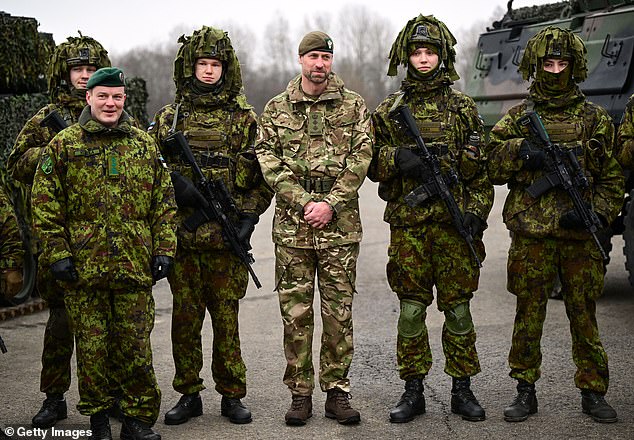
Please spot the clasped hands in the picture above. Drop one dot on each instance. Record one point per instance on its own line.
(318, 214)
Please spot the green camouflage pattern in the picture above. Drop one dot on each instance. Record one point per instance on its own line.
(533, 266)
(434, 254)
(579, 123)
(11, 250)
(89, 172)
(23, 55)
(112, 329)
(342, 151)
(211, 281)
(625, 137)
(25, 155)
(104, 197)
(223, 130)
(219, 124)
(57, 352)
(295, 270)
(493, 79)
(446, 118)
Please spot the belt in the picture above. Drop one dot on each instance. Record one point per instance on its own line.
(318, 185)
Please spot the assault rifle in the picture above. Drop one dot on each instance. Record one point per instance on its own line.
(437, 184)
(565, 172)
(54, 121)
(212, 200)
(3, 348)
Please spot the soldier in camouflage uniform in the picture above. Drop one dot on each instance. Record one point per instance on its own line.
(425, 248)
(103, 207)
(220, 126)
(625, 137)
(314, 148)
(71, 65)
(548, 237)
(11, 251)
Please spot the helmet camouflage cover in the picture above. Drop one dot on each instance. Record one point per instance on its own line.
(207, 42)
(554, 42)
(424, 30)
(76, 51)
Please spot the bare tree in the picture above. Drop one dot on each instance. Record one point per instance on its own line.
(467, 47)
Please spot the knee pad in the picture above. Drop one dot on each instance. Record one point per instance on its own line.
(458, 320)
(411, 321)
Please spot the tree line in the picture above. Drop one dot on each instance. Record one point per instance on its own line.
(362, 40)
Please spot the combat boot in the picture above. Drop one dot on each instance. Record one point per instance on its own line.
(338, 407)
(524, 404)
(301, 410)
(235, 410)
(412, 402)
(188, 406)
(134, 429)
(594, 404)
(53, 409)
(463, 402)
(100, 426)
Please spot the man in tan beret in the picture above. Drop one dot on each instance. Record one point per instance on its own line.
(314, 149)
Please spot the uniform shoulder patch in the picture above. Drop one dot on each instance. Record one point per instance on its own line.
(47, 164)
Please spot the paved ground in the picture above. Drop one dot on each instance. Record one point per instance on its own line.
(375, 383)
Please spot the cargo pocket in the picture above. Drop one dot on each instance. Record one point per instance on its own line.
(517, 269)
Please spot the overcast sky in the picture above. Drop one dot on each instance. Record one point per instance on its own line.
(122, 25)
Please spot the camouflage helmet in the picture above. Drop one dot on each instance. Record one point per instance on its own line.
(554, 42)
(76, 51)
(207, 42)
(424, 30)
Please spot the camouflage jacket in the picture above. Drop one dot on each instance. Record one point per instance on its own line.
(32, 139)
(447, 120)
(582, 127)
(625, 137)
(222, 139)
(315, 150)
(104, 197)
(11, 250)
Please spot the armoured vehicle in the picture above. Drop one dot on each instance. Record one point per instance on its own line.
(607, 28)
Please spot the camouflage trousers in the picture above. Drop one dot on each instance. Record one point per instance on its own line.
(295, 270)
(419, 258)
(213, 281)
(58, 338)
(112, 332)
(532, 266)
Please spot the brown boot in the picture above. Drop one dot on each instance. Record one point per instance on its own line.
(301, 410)
(338, 407)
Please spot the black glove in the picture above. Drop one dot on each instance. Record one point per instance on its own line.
(64, 270)
(161, 265)
(247, 226)
(571, 220)
(409, 164)
(473, 223)
(532, 156)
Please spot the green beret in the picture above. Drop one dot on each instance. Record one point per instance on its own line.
(315, 40)
(106, 76)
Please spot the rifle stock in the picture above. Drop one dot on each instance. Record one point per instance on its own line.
(54, 121)
(212, 200)
(436, 184)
